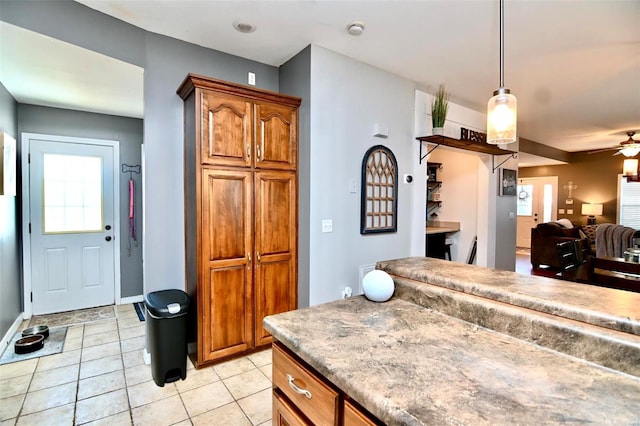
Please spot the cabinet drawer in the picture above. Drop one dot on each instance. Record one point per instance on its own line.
(284, 414)
(305, 390)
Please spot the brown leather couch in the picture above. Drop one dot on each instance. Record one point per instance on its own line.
(544, 243)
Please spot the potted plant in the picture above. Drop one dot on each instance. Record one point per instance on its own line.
(439, 108)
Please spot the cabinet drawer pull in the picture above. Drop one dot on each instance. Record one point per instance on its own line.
(296, 389)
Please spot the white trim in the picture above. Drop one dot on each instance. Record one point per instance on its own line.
(10, 333)
(26, 210)
(131, 299)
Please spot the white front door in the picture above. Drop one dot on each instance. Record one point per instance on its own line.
(71, 194)
(536, 204)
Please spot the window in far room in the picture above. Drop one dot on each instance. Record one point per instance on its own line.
(628, 203)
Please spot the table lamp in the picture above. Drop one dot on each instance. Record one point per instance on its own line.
(592, 210)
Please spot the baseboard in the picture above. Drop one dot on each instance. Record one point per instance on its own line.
(10, 333)
(131, 299)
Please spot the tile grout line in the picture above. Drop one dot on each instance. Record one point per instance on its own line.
(124, 375)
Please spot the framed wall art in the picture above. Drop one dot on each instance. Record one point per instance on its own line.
(508, 182)
(379, 192)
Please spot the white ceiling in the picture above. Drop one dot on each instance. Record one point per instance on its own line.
(40, 70)
(574, 65)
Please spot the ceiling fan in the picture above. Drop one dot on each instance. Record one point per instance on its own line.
(628, 148)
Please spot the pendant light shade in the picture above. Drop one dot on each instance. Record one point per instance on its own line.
(501, 117)
(502, 108)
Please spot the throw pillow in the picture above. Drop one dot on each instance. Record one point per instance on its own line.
(566, 223)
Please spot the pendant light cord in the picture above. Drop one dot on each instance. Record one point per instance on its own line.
(501, 43)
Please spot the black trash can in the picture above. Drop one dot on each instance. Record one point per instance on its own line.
(167, 329)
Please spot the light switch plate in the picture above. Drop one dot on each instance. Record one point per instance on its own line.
(327, 225)
(560, 211)
(352, 186)
(252, 79)
(569, 211)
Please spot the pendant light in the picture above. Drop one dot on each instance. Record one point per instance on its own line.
(502, 115)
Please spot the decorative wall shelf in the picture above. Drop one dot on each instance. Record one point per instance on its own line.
(467, 145)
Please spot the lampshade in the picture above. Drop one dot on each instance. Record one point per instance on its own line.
(592, 209)
(630, 167)
(630, 150)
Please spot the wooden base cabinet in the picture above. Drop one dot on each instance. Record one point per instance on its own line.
(301, 396)
(241, 214)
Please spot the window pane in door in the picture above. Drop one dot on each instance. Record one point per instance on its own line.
(72, 193)
(548, 202)
(525, 205)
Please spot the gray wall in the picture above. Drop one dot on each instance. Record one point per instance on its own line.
(128, 131)
(166, 62)
(347, 98)
(10, 259)
(295, 80)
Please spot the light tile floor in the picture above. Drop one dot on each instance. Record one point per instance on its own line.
(100, 379)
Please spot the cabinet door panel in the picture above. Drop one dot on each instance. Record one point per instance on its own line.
(226, 292)
(354, 417)
(276, 137)
(276, 246)
(273, 294)
(226, 130)
(226, 214)
(226, 313)
(284, 414)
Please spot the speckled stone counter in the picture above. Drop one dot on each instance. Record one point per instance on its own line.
(603, 307)
(414, 365)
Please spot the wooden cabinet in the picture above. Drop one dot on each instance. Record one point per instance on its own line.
(284, 414)
(353, 416)
(236, 131)
(240, 156)
(301, 396)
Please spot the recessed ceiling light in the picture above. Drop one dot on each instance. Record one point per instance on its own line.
(355, 28)
(244, 27)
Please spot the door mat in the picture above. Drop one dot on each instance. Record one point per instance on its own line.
(140, 310)
(52, 345)
(79, 316)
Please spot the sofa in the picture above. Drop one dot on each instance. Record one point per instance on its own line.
(544, 242)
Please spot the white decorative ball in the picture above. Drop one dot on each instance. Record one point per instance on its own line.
(378, 286)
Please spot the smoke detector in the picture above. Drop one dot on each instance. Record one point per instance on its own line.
(244, 27)
(355, 28)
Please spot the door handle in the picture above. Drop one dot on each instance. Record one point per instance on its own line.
(108, 238)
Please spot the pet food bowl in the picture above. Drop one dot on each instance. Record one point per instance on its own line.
(29, 344)
(38, 329)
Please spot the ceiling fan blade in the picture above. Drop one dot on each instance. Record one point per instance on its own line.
(595, 151)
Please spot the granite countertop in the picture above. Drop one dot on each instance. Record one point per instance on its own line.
(604, 307)
(409, 365)
(413, 365)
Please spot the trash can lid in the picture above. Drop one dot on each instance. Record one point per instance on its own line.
(167, 303)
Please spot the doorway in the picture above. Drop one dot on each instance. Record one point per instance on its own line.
(71, 258)
(536, 204)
